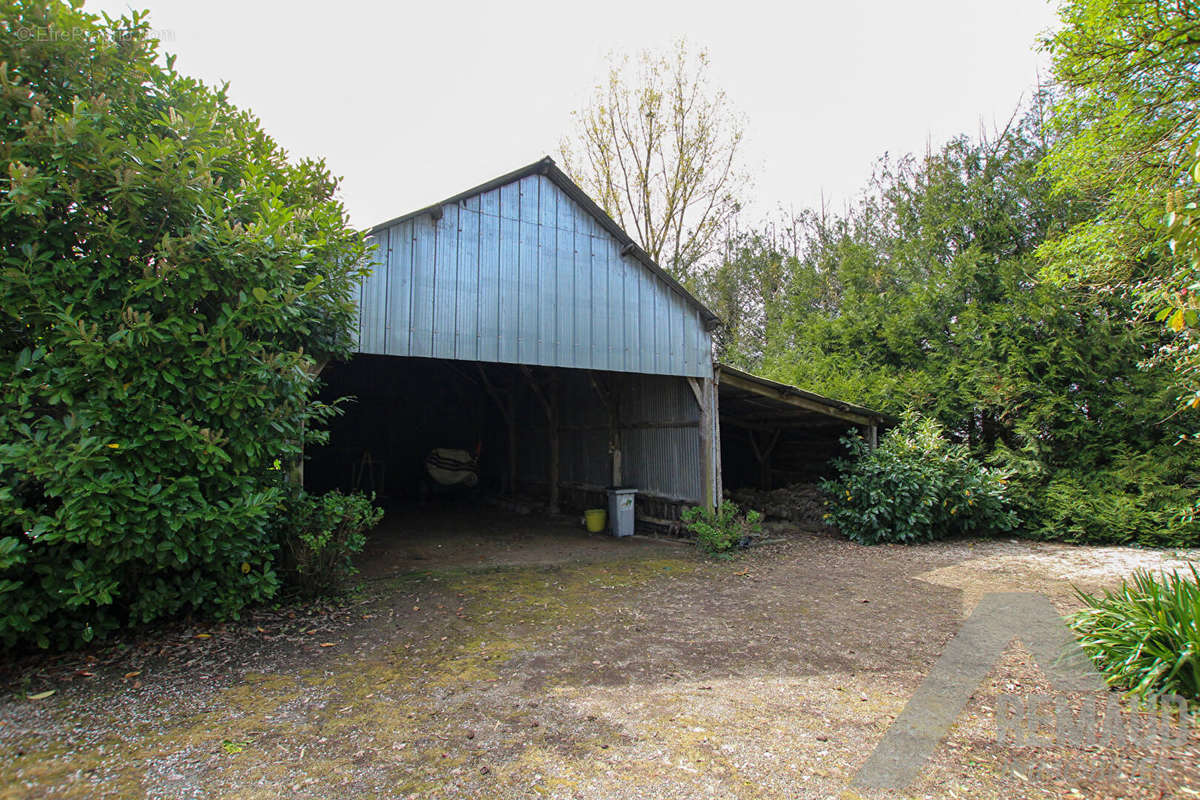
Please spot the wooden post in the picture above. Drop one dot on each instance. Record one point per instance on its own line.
(552, 417)
(296, 474)
(873, 434)
(609, 398)
(510, 423)
(507, 410)
(702, 389)
(614, 440)
(718, 465)
(548, 396)
(763, 456)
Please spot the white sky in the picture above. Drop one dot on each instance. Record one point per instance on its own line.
(411, 102)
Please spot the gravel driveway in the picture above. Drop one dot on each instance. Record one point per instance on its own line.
(502, 656)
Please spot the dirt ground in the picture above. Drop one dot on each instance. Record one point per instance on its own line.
(493, 655)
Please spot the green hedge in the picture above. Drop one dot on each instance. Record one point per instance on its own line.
(1146, 499)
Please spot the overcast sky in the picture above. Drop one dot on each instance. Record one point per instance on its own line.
(411, 102)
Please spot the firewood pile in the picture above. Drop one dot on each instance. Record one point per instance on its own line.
(802, 504)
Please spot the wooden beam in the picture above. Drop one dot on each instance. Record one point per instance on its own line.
(462, 373)
(679, 423)
(555, 444)
(754, 444)
(702, 389)
(767, 426)
(763, 455)
(795, 400)
(601, 391)
(789, 414)
(611, 403)
(719, 464)
(765, 467)
(296, 474)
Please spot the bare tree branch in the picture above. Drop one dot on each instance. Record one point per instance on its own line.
(660, 154)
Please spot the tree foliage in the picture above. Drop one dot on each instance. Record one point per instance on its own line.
(1174, 299)
(169, 284)
(658, 149)
(927, 293)
(1127, 116)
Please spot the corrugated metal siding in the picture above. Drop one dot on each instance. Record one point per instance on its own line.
(658, 430)
(661, 460)
(657, 399)
(372, 317)
(521, 274)
(664, 462)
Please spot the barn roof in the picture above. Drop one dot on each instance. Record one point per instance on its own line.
(550, 170)
(769, 402)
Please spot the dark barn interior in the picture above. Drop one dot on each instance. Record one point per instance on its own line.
(397, 411)
(774, 435)
(544, 437)
(767, 454)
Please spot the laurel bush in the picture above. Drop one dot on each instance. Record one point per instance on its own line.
(915, 486)
(169, 285)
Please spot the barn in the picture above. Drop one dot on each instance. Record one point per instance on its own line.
(518, 323)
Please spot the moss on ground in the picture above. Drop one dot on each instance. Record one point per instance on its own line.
(312, 726)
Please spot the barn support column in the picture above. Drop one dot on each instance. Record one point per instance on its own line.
(547, 395)
(718, 470)
(296, 474)
(705, 391)
(504, 401)
(608, 396)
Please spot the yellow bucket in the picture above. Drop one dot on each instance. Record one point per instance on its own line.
(596, 519)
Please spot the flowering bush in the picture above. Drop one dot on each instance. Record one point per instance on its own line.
(916, 486)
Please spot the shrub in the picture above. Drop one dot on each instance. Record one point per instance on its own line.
(318, 534)
(169, 285)
(1145, 636)
(915, 486)
(717, 532)
(1144, 499)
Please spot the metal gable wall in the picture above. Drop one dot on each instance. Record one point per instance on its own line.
(522, 274)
